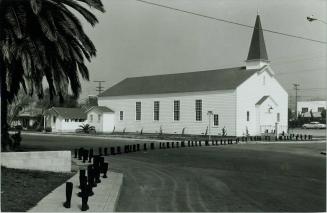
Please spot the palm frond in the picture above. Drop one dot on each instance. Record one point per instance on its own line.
(89, 17)
(36, 6)
(12, 19)
(48, 27)
(97, 4)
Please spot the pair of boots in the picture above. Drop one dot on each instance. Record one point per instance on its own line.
(69, 190)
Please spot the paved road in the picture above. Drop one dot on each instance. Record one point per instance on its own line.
(55, 142)
(268, 177)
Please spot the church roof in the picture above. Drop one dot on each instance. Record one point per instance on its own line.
(257, 49)
(211, 80)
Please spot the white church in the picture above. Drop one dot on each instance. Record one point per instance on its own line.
(243, 100)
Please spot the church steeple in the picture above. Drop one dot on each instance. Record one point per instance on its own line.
(257, 56)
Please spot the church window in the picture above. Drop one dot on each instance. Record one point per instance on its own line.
(198, 110)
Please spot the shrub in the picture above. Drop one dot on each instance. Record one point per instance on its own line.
(17, 138)
(86, 128)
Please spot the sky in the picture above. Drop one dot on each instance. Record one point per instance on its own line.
(138, 39)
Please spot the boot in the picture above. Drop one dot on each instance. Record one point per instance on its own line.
(90, 155)
(101, 164)
(85, 207)
(85, 155)
(83, 186)
(81, 175)
(112, 150)
(100, 151)
(105, 169)
(85, 198)
(96, 161)
(80, 153)
(69, 190)
(97, 175)
(75, 151)
(118, 150)
(90, 179)
(89, 190)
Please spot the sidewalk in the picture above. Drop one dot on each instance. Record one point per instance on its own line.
(105, 196)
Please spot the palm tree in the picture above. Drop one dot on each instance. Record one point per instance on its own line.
(43, 39)
(86, 128)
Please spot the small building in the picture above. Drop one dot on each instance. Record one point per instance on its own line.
(306, 108)
(62, 119)
(29, 118)
(102, 118)
(242, 100)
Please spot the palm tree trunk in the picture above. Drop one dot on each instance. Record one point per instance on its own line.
(4, 107)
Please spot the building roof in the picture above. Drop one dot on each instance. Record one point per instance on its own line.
(101, 109)
(69, 113)
(262, 100)
(257, 49)
(35, 112)
(212, 80)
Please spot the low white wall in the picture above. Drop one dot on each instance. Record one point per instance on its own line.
(55, 161)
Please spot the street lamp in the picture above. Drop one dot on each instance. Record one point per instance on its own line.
(311, 19)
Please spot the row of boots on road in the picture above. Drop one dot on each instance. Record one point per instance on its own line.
(87, 182)
(87, 155)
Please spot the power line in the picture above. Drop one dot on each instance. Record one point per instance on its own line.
(286, 61)
(99, 88)
(314, 88)
(303, 89)
(303, 71)
(229, 22)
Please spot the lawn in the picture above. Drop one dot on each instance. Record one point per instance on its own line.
(23, 189)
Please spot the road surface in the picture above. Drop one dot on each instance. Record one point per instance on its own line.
(251, 177)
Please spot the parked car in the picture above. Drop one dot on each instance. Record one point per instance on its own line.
(314, 125)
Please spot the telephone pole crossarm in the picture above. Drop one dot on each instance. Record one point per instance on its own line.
(99, 88)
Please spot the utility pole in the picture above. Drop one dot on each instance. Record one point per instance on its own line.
(100, 87)
(296, 89)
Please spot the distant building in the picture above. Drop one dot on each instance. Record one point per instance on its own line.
(102, 118)
(243, 100)
(304, 108)
(28, 118)
(63, 119)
